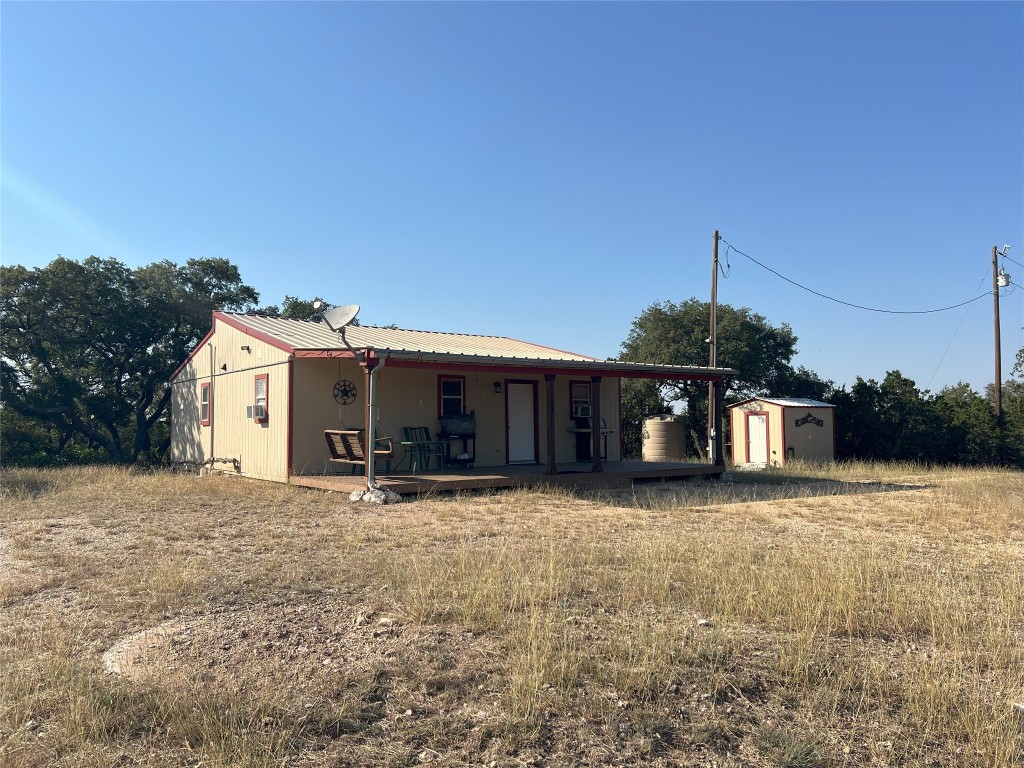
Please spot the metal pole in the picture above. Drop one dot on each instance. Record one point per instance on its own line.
(595, 423)
(713, 351)
(371, 412)
(998, 388)
(368, 442)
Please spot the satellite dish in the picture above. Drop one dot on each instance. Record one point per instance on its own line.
(339, 317)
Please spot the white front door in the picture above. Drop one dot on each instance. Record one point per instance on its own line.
(757, 438)
(521, 407)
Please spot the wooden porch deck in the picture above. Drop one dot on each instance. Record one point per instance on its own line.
(615, 473)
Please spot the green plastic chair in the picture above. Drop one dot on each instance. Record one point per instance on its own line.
(421, 447)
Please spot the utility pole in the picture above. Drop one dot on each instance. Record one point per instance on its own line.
(713, 352)
(998, 389)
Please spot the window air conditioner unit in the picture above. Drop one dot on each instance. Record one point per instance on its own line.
(581, 411)
(259, 412)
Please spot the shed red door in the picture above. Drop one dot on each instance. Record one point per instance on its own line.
(757, 438)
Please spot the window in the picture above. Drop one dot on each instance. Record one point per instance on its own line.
(451, 395)
(579, 399)
(205, 408)
(261, 399)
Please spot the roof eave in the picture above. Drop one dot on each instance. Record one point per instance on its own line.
(611, 368)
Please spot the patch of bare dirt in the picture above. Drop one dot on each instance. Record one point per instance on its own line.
(316, 647)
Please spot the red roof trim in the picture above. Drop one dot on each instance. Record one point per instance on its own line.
(325, 353)
(235, 323)
(537, 369)
(193, 353)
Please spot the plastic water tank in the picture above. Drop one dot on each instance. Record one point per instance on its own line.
(664, 439)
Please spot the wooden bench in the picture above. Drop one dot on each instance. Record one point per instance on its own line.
(347, 447)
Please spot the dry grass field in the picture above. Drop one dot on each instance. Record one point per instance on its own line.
(858, 615)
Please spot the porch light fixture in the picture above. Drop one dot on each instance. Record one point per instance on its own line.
(497, 388)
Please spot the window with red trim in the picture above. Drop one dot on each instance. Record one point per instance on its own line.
(205, 405)
(261, 398)
(579, 399)
(451, 395)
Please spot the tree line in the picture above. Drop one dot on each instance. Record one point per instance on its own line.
(87, 349)
(891, 420)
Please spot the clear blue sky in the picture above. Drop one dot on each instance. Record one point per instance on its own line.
(539, 170)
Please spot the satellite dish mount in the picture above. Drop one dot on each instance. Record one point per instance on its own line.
(337, 319)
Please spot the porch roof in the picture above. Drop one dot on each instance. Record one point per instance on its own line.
(452, 351)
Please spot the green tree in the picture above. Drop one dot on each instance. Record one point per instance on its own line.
(86, 348)
(28, 442)
(294, 308)
(676, 334)
(640, 399)
(909, 427)
(857, 423)
(1013, 421)
(968, 434)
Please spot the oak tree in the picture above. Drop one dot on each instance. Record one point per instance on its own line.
(87, 348)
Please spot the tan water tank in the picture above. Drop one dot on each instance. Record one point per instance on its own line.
(664, 439)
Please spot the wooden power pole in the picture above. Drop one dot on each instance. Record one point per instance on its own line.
(713, 435)
(997, 394)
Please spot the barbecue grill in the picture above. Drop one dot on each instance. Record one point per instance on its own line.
(460, 426)
(584, 427)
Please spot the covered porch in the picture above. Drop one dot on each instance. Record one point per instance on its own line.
(575, 475)
(522, 417)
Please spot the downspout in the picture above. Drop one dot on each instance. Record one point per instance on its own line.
(290, 444)
(371, 443)
(213, 387)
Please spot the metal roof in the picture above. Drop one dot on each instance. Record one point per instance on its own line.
(786, 402)
(299, 334)
(433, 348)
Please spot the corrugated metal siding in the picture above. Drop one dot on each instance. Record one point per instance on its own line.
(737, 435)
(261, 449)
(315, 410)
(809, 441)
(776, 447)
(189, 440)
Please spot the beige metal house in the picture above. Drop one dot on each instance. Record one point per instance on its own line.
(769, 431)
(255, 396)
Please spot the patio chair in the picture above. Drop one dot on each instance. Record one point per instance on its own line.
(420, 447)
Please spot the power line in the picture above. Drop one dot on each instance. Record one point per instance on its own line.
(847, 303)
(958, 327)
(1013, 260)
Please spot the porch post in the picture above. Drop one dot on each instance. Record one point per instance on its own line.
(368, 437)
(367, 373)
(595, 422)
(549, 394)
(718, 447)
